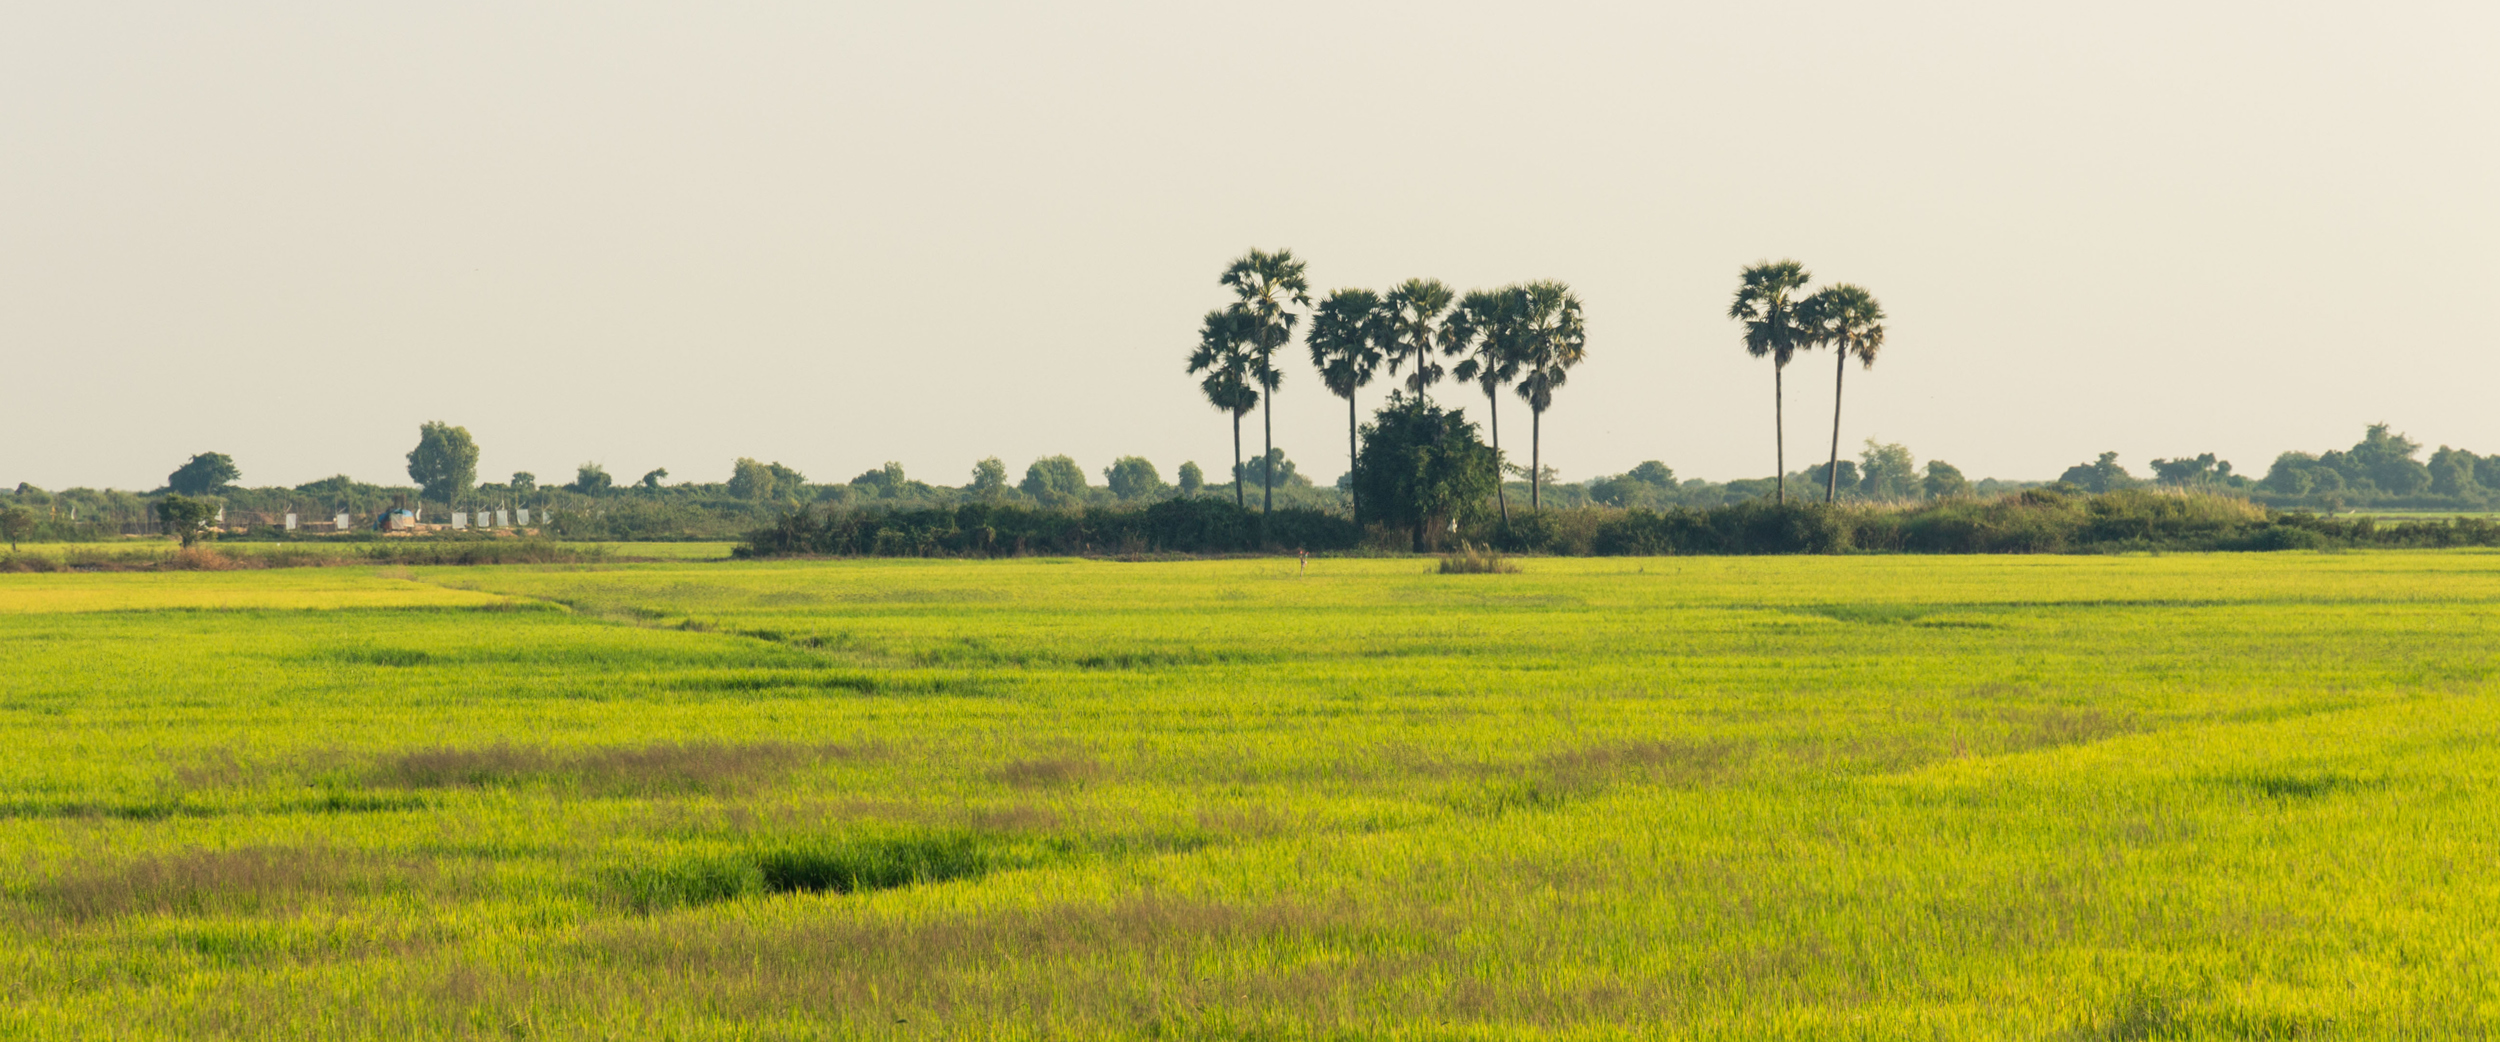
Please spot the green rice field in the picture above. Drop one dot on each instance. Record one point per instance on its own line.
(2249, 796)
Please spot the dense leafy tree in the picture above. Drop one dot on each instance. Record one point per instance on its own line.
(1484, 334)
(989, 478)
(187, 518)
(1054, 481)
(2381, 464)
(1223, 356)
(591, 479)
(1766, 302)
(2385, 460)
(1824, 473)
(2200, 471)
(751, 479)
(1193, 478)
(1846, 319)
(885, 482)
(652, 478)
(444, 463)
(16, 523)
(1423, 468)
(1886, 472)
(203, 474)
(2101, 475)
(1414, 311)
(1552, 339)
(1267, 286)
(2452, 473)
(1651, 484)
(1133, 478)
(524, 481)
(2290, 475)
(1944, 480)
(1348, 332)
(1274, 467)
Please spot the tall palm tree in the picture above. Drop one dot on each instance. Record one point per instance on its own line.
(1223, 354)
(1766, 302)
(1415, 308)
(1552, 339)
(1266, 285)
(1347, 331)
(1484, 329)
(1847, 319)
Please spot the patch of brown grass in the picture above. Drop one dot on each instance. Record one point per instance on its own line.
(1664, 762)
(1477, 560)
(660, 767)
(247, 880)
(1058, 772)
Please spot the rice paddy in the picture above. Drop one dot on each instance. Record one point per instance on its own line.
(2187, 796)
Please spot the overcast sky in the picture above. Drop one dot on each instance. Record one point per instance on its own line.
(834, 235)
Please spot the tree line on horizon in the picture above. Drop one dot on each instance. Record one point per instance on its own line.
(2382, 470)
(1415, 465)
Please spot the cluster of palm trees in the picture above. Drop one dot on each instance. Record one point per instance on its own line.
(1527, 336)
(1530, 335)
(1780, 319)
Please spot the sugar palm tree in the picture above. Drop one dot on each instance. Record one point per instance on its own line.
(1766, 302)
(1223, 354)
(1551, 340)
(1847, 319)
(1415, 308)
(1347, 332)
(1266, 286)
(1484, 331)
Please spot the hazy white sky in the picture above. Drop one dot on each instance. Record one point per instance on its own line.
(835, 235)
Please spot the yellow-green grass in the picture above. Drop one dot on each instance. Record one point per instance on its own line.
(1962, 797)
(304, 588)
(153, 549)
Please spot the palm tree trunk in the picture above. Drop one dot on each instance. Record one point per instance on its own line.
(1831, 478)
(1493, 409)
(1536, 465)
(1267, 463)
(1779, 423)
(1237, 493)
(1354, 482)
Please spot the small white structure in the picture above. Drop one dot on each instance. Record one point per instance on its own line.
(523, 516)
(290, 522)
(459, 520)
(341, 521)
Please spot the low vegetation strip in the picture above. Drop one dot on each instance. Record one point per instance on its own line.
(158, 557)
(2032, 521)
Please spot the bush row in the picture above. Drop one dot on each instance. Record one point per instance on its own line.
(2033, 521)
(1189, 526)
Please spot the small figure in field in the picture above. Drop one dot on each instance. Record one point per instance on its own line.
(1305, 555)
